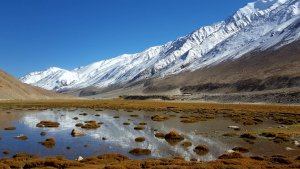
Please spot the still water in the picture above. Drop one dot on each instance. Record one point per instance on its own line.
(114, 137)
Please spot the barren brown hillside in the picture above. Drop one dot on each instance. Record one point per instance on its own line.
(12, 88)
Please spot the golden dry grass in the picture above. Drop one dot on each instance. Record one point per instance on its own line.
(152, 105)
(119, 161)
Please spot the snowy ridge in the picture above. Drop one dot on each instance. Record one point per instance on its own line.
(257, 26)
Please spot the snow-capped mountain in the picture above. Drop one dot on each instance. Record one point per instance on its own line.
(258, 26)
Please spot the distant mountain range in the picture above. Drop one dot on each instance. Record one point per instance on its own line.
(211, 54)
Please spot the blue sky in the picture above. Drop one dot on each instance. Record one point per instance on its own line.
(37, 34)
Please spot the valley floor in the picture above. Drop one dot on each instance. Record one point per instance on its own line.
(153, 105)
(243, 114)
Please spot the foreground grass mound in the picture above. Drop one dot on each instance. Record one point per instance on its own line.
(110, 161)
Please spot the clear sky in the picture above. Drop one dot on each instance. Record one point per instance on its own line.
(37, 34)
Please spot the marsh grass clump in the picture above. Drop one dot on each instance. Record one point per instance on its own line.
(247, 136)
(21, 137)
(140, 152)
(49, 124)
(285, 119)
(201, 149)
(160, 135)
(233, 155)
(229, 134)
(279, 159)
(90, 125)
(281, 137)
(258, 158)
(268, 134)
(241, 149)
(52, 162)
(159, 118)
(173, 137)
(186, 144)
(10, 128)
(139, 127)
(49, 143)
(79, 125)
(139, 139)
(191, 119)
(134, 115)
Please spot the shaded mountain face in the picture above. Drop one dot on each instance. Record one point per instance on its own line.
(261, 26)
(11, 88)
(256, 71)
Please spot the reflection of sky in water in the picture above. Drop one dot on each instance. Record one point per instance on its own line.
(120, 138)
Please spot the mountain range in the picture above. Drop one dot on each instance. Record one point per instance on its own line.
(257, 43)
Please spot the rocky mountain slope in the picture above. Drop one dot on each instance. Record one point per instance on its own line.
(261, 26)
(12, 88)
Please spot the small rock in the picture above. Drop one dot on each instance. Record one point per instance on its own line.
(79, 158)
(43, 133)
(230, 151)
(77, 132)
(296, 143)
(234, 127)
(282, 127)
(288, 149)
(6, 152)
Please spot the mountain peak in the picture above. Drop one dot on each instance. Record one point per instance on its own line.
(262, 5)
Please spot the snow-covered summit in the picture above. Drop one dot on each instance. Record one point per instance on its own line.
(257, 26)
